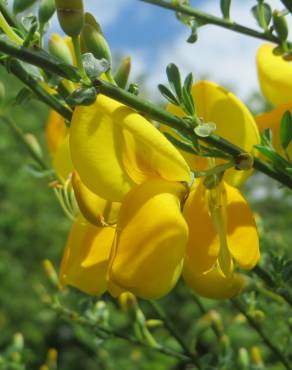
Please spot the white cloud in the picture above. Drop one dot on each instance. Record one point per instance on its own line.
(224, 56)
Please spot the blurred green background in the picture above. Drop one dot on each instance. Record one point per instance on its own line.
(33, 228)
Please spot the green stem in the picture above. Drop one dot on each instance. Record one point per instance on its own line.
(9, 31)
(19, 134)
(238, 304)
(282, 291)
(172, 329)
(76, 45)
(17, 69)
(37, 59)
(210, 19)
(72, 316)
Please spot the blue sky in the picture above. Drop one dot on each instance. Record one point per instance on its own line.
(154, 37)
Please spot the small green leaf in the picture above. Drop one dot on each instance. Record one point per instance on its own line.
(225, 8)
(188, 102)
(262, 14)
(188, 83)
(174, 79)
(194, 33)
(23, 96)
(94, 67)
(168, 94)
(272, 155)
(286, 130)
(179, 144)
(267, 137)
(82, 96)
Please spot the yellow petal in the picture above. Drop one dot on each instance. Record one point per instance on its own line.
(85, 260)
(242, 235)
(234, 122)
(213, 284)
(113, 147)
(152, 236)
(203, 243)
(96, 210)
(62, 162)
(275, 75)
(55, 131)
(272, 120)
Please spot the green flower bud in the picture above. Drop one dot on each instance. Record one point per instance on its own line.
(21, 5)
(46, 10)
(71, 16)
(2, 92)
(93, 41)
(59, 48)
(280, 25)
(122, 74)
(244, 359)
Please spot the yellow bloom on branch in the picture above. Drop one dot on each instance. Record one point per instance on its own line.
(113, 148)
(149, 250)
(222, 231)
(233, 120)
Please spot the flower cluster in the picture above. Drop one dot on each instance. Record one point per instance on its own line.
(143, 220)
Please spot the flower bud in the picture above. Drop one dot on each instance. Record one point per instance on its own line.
(280, 25)
(93, 40)
(122, 74)
(59, 49)
(256, 356)
(21, 5)
(71, 16)
(244, 359)
(46, 10)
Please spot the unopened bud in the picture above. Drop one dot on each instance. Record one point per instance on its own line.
(244, 358)
(93, 40)
(256, 356)
(60, 49)
(152, 323)
(18, 342)
(51, 272)
(33, 144)
(21, 5)
(71, 16)
(280, 25)
(127, 301)
(46, 10)
(258, 315)
(122, 74)
(244, 162)
(52, 357)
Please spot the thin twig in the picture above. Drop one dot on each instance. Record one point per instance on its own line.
(237, 303)
(172, 329)
(211, 19)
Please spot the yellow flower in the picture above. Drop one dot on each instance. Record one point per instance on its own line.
(58, 145)
(221, 230)
(275, 75)
(233, 120)
(113, 148)
(149, 250)
(96, 210)
(86, 257)
(272, 120)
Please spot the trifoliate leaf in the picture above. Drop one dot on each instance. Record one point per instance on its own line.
(174, 79)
